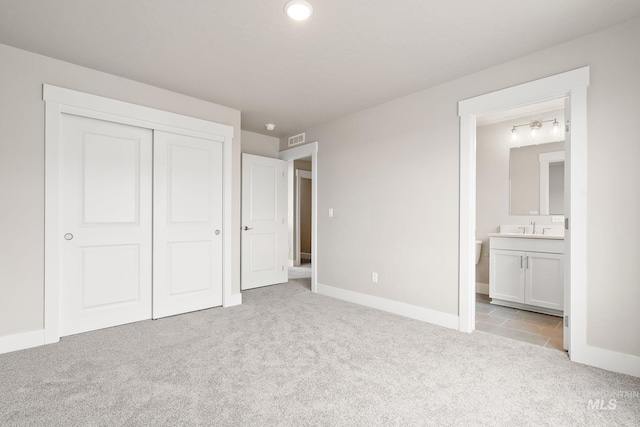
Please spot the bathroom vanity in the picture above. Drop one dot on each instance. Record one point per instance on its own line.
(527, 272)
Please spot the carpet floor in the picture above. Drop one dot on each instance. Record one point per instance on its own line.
(289, 357)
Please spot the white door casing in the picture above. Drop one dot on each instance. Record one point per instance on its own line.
(572, 85)
(105, 178)
(264, 225)
(187, 224)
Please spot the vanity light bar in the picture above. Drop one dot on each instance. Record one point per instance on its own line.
(535, 127)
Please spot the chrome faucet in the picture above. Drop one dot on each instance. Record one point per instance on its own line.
(534, 227)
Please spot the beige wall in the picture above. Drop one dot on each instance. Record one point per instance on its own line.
(22, 169)
(260, 145)
(493, 145)
(391, 174)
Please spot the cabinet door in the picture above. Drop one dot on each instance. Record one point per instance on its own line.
(506, 281)
(545, 280)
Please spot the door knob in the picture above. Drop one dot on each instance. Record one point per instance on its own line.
(247, 228)
(217, 232)
(68, 236)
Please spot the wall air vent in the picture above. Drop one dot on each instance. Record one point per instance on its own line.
(296, 139)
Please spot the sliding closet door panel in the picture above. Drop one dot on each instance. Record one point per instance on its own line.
(106, 220)
(187, 259)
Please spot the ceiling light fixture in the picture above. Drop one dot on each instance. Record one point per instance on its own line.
(270, 126)
(298, 10)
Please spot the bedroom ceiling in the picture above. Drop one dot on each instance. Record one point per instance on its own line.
(247, 54)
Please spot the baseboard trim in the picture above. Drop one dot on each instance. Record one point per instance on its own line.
(482, 288)
(403, 309)
(305, 255)
(21, 341)
(609, 360)
(233, 300)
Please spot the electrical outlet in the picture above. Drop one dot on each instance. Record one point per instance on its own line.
(330, 212)
(374, 277)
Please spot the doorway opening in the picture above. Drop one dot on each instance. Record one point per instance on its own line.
(573, 86)
(302, 216)
(520, 223)
(301, 269)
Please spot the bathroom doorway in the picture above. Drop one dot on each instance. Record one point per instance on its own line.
(572, 85)
(520, 223)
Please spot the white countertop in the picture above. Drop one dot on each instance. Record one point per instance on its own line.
(526, 236)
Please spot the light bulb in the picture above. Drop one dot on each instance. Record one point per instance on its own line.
(298, 10)
(514, 134)
(535, 130)
(555, 129)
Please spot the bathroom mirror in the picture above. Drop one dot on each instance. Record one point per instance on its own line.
(536, 179)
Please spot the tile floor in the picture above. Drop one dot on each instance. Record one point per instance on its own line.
(521, 325)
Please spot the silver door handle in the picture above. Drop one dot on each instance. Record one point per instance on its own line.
(247, 228)
(68, 236)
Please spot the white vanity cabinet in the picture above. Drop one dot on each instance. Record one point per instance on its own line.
(527, 273)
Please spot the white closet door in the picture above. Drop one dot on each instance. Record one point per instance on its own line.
(264, 214)
(106, 221)
(187, 222)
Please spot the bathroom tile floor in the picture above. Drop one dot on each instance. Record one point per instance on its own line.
(535, 328)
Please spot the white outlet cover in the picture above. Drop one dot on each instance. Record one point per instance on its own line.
(330, 212)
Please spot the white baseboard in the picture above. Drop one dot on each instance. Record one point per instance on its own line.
(232, 300)
(21, 341)
(305, 255)
(482, 288)
(609, 360)
(291, 263)
(403, 309)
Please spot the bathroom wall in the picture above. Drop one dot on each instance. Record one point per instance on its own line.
(493, 145)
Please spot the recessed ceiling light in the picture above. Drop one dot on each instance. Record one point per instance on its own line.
(270, 126)
(298, 10)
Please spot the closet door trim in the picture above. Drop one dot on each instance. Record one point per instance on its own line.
(60, 100)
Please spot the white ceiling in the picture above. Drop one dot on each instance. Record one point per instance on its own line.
(246, 54)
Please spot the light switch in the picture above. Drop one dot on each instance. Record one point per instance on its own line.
(330, 212)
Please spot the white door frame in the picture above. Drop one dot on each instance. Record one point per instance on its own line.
(290, 155)
(60, 101)
(572, 84)
(300, 175)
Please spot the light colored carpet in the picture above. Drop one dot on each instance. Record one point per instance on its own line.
(289, 357)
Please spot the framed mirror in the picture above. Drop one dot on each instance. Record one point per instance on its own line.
(536, 179)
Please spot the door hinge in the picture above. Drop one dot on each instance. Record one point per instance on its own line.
(566, 223)
(283, 268)
(567, 126)
(566, 321)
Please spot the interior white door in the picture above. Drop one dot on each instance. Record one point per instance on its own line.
(264, 221)
(566, 332)
(105, 202)
(187, 221)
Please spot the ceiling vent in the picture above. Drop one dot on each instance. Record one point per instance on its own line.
(296, 139)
